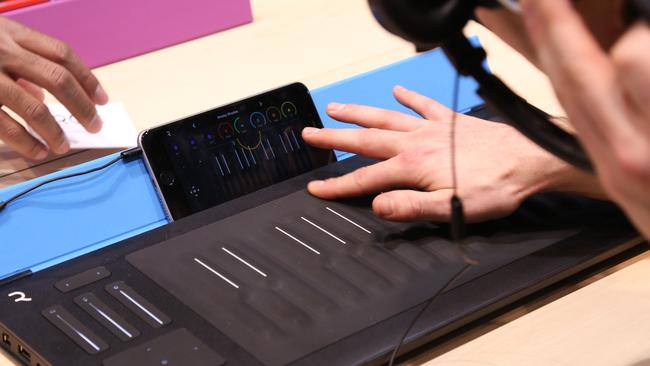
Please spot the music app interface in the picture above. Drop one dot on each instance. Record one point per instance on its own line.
(218, 155)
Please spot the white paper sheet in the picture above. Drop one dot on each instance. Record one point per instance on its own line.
(117, 131)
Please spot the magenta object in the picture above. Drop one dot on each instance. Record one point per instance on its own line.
(105, 31)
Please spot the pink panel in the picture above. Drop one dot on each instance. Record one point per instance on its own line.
(104, 31)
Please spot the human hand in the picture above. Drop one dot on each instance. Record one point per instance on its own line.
(28, 61)
(606, 94)
(604, 18)
(497, 167)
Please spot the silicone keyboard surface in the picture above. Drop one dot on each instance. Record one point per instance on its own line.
(290, 276)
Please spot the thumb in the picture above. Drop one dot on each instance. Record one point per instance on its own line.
(408, 205)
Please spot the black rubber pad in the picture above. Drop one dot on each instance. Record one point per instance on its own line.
(176, 348)
(291, 276)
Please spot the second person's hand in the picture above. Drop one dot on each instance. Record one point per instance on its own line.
(30, 61)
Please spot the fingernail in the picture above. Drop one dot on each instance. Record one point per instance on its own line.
(96, 124)
(315, 184)
(100, 96)
(399, 88)
(64, 147)
(334, 107)
(41, 154)
(310, 130)
(385, 206)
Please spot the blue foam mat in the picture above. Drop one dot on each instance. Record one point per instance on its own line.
(73, 217)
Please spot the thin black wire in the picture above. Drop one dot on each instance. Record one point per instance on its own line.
(468, 261)
(39, 185)
(44, 163)
(423, 310)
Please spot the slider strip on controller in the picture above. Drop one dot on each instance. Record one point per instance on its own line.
(74, 329)
(106, 316)
(137, 304)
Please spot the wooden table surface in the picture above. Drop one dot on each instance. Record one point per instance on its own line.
(602, 321)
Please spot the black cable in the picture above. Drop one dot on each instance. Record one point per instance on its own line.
(62, 157)
(424, 309)
(127, 154)
(457, 221)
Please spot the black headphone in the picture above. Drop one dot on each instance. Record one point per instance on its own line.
(432, 23)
